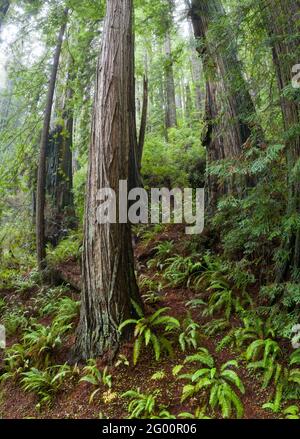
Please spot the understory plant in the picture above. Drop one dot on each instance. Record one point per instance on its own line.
(153, 330)
(215, 383)
(46, 383)
(96, 377)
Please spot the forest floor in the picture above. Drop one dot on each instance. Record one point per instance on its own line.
(73, 401)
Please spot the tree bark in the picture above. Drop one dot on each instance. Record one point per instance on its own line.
(196, 71)
(109, 281)
(143, 125)
(171, 116)
(60, 214)
(41, 180)
(281, 18)
(227, 107)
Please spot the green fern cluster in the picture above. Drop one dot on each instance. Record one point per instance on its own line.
(145, 405)
(95, 377)
(152, 331)
(189, 338)
(182, 271)
(218, 382)
(47, 383)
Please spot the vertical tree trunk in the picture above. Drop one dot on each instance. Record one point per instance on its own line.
(41, 180)
(108, 268)
(196, 74)
(60, 213)
(143, 125)
(282, 22)
(188, 104)
(227, 107)
(171, 117)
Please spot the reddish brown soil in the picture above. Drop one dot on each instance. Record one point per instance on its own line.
(73, 401)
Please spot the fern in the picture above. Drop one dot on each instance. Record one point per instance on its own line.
(141, 405)
(45, 384)
(217, 381)
(189, 338)
(95, 377)
(148, 332)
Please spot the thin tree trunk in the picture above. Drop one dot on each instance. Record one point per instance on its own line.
(41, 180)
(109, 281)
(188, 103)
(171, 117)
(143, 125)
(196, 74)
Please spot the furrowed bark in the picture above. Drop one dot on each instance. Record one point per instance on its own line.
(227, 108)
(60, 213)
(109, 281)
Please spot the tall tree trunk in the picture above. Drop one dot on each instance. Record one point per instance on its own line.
(227, 106)
(196, 71)
(143, 125)
(109, 281)
(60, 214)
(188, 104)
(171, 116)
(41, 180)
(282, 22)
(4, 6)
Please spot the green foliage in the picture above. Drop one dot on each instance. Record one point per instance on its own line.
(199, 414)
(15, 320)
(152, 331)
(162, 252)
(223, 299)
(122, 360)
(68, 248)
(41, 342)
(142, 405)
(16, 361)
(94, 376)
(66, 311)
(173, 160)
(287, 386)
(282, 301)
(46, 383)
(218, 382)
(216, 326)
(292, 412)
(182, 271)
(152, 288)
(158, 376)
(253, 328)
(189, 338)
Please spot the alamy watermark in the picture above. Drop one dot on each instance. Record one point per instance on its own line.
(156, 206)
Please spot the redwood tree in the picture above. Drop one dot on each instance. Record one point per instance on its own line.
(109, 281)
(281, 18)
(60, 214)
(41, 179)
(228, 101)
